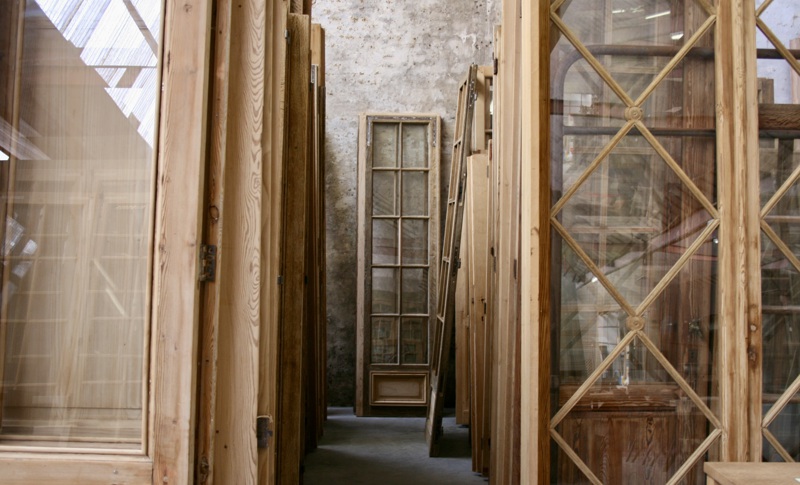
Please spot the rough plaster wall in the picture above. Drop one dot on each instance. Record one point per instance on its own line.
(387, 56)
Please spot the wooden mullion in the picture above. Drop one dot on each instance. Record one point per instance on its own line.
(784, 188)
(695, 457)
(777, 445)
(778, 242)
(762, 7)
(781, 403)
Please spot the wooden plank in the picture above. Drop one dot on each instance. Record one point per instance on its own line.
(779, 117)
(209, 316)
(176, 299)
(752, 473)
(318, 61)
(27, 468)
(477, 253)
(462, 323)
(240, 267)
(274, 147)
(737, 156)
(505, 463)
(289, 431)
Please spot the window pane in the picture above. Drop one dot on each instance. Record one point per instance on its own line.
(415, 193)
(415, 341)
(415, 241)
(384, 290)
(415, 146)
(78, 158)
(384, 193)
(415, 290)
(384, 340)
(384, 241)
(384, 143)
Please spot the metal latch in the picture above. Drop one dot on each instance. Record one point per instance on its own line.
(263, 433)
(208, 262)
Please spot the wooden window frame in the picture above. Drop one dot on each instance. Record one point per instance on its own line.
(168, 441)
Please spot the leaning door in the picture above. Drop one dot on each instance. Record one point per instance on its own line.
(398, 246)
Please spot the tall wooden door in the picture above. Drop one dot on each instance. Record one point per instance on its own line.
(668, 187)
(398, 249)
(97, 322)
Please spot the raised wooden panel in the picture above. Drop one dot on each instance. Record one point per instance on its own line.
(398, 389)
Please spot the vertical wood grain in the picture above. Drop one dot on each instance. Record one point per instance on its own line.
(212, 234)
(272, 203)
(176, 299)
(240, 272)
(737, 187)
(290, 411)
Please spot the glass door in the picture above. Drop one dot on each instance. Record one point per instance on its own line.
(634, 241)
(398, 236)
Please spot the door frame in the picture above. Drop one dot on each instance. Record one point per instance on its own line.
(739, 354)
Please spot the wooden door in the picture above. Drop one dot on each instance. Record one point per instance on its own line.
(398, 250)
(93, 172)
(668, 208)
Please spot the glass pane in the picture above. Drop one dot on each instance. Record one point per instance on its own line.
(415, 146)
(77, 138)
(415, 290)
(384, 290)
(384, 193)
(384, 340)
(384, 241)
(415, 341)
(415, 193)
(415, 241)
(784, 428)
(384, 145)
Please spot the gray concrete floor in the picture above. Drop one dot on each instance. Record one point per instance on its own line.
(388, 451)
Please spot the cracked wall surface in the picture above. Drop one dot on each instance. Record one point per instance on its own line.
(385, 56)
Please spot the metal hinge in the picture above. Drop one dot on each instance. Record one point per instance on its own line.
(263, 431)
(208, 262)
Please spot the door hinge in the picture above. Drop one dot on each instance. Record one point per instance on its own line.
(263, 431)
(208, 262)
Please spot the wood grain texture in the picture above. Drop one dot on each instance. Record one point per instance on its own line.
(752, 473)
(68, 469)
(361, 398)
(274, 152)
(462, 323)
(176, 299)
(212, 234)
(240, 270)
(505, 458)
(289, 432)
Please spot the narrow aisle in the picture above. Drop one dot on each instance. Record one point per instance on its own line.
(388, 451)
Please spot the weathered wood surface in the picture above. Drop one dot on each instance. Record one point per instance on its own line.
(752, 473)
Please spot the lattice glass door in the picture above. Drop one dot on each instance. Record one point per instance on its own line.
(634, 241)
(778, 41)
(398, 247)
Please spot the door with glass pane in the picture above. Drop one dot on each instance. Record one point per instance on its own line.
(634, 232)
(398, 247)
(80, 83)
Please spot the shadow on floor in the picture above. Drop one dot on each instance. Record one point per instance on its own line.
(388, 451)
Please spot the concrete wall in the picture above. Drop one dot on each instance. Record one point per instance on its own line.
(388, 56)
